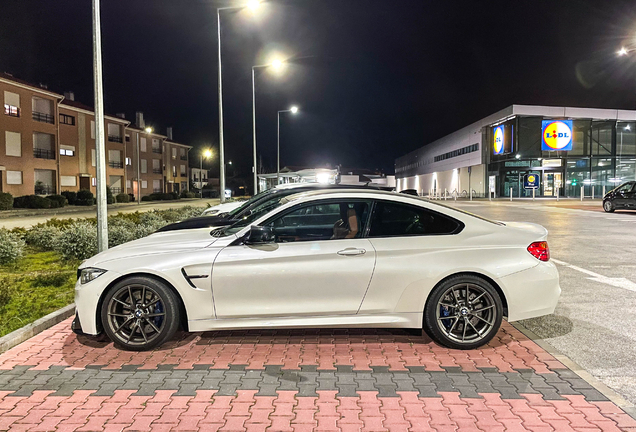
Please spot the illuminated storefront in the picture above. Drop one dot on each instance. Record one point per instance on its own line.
(565, 148)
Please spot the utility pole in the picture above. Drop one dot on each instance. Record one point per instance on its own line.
(100, 144)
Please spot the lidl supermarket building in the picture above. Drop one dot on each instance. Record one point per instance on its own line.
(561, 148)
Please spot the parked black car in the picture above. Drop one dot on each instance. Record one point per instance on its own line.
(622, 197)
(254, 204)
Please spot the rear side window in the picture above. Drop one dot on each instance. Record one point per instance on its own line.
(392, 219)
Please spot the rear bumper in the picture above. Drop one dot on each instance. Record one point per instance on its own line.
(533, 292)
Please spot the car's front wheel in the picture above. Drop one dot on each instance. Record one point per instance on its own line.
(608, 206)
(463, 312)
(140, 313)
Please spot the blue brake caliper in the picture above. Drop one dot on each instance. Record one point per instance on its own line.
(443, 311)
(158, 309)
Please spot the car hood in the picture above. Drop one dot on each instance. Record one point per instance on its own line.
(197, 222)
(225, 207)
(155, 244)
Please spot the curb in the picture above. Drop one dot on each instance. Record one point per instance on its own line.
(616, 398)
(28, 331)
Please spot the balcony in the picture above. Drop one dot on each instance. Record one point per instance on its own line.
(156, 170)
(42, 117)
(115, 138)
(43, 153)
(44, 189)
(115, 164)
(156, 150)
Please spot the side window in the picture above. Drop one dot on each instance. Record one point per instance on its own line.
(394, 219)
(331, 220)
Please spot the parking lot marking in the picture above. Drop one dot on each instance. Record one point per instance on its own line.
(617, 282)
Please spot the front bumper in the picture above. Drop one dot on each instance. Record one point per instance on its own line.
(533, 292)
(87, 301)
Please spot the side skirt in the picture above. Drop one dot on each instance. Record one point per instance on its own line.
(401, 320)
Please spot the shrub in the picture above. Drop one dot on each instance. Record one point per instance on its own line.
(188, 194)
(79, 241)
(43, 237)
(174, 195)
(120, 234)
(6, 290)
(146, 198)
(122, 198)
(6, 201)
(11, 246)
(85, 198)
(31, 202)
(60, 200)
(51, 279)
(70, 196)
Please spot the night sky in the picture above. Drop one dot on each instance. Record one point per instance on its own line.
(373, 79)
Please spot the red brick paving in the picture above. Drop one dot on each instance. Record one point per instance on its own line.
(287, 412)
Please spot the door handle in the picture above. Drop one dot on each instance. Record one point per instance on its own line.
(352, 252)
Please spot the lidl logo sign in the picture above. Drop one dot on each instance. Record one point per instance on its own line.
(531, 181)
(498, 140)
(557, 135)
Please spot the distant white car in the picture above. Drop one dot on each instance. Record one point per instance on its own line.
(338, 258)
(222, 208)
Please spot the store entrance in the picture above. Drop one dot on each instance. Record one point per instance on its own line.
(551, 182)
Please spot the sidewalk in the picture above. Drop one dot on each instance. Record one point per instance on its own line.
(297, 380)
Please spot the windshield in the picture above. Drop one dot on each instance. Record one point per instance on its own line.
(248, 203)
(250, 217)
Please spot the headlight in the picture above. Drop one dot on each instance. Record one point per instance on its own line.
(88, 274)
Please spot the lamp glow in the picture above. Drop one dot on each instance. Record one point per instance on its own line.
(294, 109)
(277, 64)
(253, 4)
(323, 178)
(148, 129)
(622, 51)
(207, 153)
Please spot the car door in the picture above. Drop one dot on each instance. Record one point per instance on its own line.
(631, 198)
(622, 196)
(413, 244)
(306, 272)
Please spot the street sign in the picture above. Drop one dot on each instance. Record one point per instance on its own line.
(531, 181)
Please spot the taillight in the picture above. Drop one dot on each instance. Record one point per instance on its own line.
(540, 250)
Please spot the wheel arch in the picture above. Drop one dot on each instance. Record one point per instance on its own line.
(183, 311)
(487, 278)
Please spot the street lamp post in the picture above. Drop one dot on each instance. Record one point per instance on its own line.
(253, 4)
(207, 153)
(292, 110)
(276, 64)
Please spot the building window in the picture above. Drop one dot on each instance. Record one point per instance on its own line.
(174, 170)
(14, 177)
(183, 170)
(128, 161)
(114, 133)
(43, 146)
(127, 138)
(67, 150)
(12, 104)
(93, 157)
(174, 153)
(184, 155)
(144, 184)
(142, 144)
(43, 110)
(13, 142)
(128, 184)
(70, 181)
(156, 185)
(114, 159)
(156, 166)
(462, 151)
(144, 166)
(94, 181)
(156, 147)
(93, 130)
(67, 120)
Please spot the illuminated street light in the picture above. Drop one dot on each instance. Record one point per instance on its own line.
(623, 51)
(276, 64)
(253, 5)
(207, 153)
(293, 110)
(148, 129)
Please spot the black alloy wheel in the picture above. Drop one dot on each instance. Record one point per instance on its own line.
(608, 206)
(140, 313)
(464, 312)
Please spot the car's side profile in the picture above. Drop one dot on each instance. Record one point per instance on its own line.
(342, 258)
(622, 197)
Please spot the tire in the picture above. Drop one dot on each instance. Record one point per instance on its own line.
(608, 206)
(145, 325)
(469, 324)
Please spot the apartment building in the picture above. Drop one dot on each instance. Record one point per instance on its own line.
(47, 145)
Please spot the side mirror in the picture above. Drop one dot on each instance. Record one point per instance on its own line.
(259, 235)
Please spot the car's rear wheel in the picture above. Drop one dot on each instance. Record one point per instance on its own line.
(608, 206)
(463, 312)
(140, 313)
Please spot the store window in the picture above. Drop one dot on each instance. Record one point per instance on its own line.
(626, 139)
(529, 137)
(577, 174)
(602, 138)
(581, 138)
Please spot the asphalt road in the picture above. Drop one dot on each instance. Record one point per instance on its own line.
(595, 321)
(28, 221)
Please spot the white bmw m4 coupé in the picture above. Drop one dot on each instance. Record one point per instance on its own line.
(339, 258)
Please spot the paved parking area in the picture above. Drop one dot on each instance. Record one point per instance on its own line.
(283, 380)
